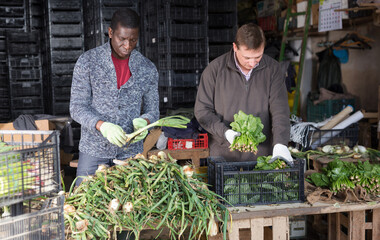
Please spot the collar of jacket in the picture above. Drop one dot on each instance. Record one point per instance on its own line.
(231, 62)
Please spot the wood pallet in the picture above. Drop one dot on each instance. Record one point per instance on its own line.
(257, 227)
(354, 225)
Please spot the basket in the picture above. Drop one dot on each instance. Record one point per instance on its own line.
(348, 136)
(241, 185)
(179, 144)
(44, 221)
(326, 109)
(29, 165)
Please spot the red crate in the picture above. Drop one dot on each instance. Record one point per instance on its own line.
(200, 143)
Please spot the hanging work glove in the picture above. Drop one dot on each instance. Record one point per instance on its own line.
(282, 152)
(114, 133)
(137, 124)
(231, 135)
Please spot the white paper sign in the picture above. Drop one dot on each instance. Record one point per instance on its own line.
(328, 18)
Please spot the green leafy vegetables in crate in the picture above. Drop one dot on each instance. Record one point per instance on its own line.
(251, 187)
(340, 175)
(250, 128)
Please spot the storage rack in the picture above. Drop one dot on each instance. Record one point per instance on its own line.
(97, 19)
(64, 40)
(176, 41)
(25, 73)
(222, 26)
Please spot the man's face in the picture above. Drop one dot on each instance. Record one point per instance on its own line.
(248, 58)
(123, 41)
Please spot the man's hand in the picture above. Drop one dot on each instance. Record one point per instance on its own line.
(114, 133)
(282, 151)
(231, 135)
(137, 124)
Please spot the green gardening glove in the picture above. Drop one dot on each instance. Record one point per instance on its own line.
(137, 124)
(114, 133)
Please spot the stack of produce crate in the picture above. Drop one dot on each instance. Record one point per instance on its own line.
(176, 41)
(25, 73)
(29, 185)
(222, 26)
(97, 19)
(64, 40)
(11, 19)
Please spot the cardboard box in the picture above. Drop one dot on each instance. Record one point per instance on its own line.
(42, 125)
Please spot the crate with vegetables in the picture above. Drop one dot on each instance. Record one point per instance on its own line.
(264, 181)
(29, 165)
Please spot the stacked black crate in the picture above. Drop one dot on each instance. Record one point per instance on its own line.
(97, 19)
(25, 73)
(11, 18)
(222, 26)
(64, 44)
(176, 41)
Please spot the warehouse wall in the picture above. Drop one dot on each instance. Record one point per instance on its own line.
(360, 75)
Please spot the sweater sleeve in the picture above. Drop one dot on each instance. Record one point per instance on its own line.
(204, 109)
(150, 109)
(279, 108)
(81, 96)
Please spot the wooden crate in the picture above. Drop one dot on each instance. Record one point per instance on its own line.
(364, 225)
(258, 228)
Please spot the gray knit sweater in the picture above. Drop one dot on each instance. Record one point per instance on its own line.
(94, 97)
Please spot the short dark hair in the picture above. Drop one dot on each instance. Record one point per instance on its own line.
(250, 35)
(125, 17)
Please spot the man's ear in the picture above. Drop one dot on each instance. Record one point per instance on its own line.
(110, 32)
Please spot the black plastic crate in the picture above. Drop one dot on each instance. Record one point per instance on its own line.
(61, 81)
(173, 96)
(168, 62)
(11, 22)
(26, 102)
(222, 35)
(22, 49)
(61, 108)
(183, 14)
(62, 68)
(65, 56)
(66, 30)
(217, 50)
(222, 19)
(241, 185)
(182, 31)
(12, 11)
(65, 17)
(173, 46)
(24, 89)
(121, 3)
(31, 167)
(66, 43)
(11, 3)
(348, 136)
(173, 79)
(4, 91)
(222, 6)
(62, 93)
(43, 220)
(64, 5)
(25, 61)
(23, 37)
(188, 3)
(4, 101)
(5, 115)
(25, 74)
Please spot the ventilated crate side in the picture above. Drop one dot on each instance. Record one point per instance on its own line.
(240, 184)
(45, 221)
(29, 165)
